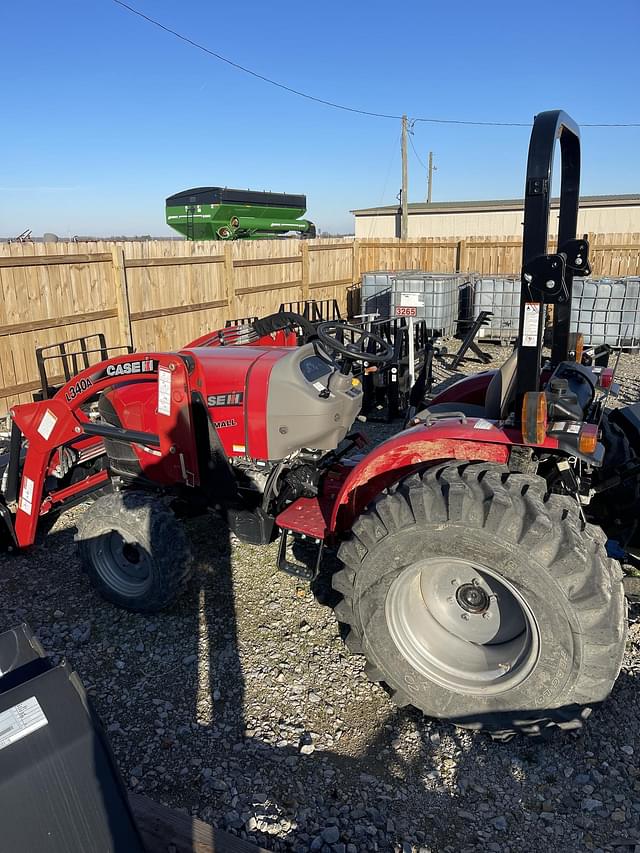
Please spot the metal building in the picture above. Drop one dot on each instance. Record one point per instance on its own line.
(601, 214)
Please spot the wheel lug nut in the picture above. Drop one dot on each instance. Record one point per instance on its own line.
(454, 582)
(486, 615)
(464, 616)
(450, 599)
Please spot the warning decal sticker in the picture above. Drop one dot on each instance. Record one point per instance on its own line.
(26, 496)
(164, 391)
(49, 420)
(531, 324)
(21, 720)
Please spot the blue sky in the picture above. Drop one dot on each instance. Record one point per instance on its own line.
(104, 115)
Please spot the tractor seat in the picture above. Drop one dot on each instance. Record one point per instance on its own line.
(497, 401)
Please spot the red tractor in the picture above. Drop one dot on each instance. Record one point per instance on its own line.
(476, 579)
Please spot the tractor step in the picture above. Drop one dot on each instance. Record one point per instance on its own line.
(305, 571)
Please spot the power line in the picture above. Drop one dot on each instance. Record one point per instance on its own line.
(418, 157)
(323, 101)
(248, 70)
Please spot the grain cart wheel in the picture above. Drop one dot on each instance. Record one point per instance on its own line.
(478, 598)
(134, 550)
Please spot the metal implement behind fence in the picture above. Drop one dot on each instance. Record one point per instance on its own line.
(315, 310)
(469, 341)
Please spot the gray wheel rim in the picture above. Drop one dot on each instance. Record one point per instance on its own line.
(123, 566)
(462, 626)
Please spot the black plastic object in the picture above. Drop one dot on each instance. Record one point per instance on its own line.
(252, 526)
(628, 419)
(283, 320)
(17, 647)
(21, 657)
(60, 790)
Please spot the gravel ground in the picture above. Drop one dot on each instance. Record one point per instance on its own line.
(241, 705)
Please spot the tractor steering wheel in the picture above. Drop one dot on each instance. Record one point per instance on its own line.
(354, 343)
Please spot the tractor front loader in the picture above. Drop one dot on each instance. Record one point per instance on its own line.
(475, 579)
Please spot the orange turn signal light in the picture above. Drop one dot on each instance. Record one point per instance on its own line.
(579, 347)
(588, 439)
(534, 417)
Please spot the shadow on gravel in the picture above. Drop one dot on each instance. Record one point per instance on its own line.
(184, 730)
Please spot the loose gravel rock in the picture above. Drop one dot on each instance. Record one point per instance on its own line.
(241, 705)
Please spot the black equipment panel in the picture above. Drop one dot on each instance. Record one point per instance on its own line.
(60, 790)
(314, 367)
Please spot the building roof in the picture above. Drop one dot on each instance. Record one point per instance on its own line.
(500, 204)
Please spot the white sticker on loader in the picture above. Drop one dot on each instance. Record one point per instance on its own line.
(531, 324)
(482, 424)
(49, 420)
(20, 721)
(164, 391)
(26, 495)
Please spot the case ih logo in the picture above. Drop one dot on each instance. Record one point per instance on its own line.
(146, 365)
(232, 398)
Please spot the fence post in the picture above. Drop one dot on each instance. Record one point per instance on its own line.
(304, 259)
(461, 256)
(122, 295)
(591, 239)
(229, 279)
(355, 263)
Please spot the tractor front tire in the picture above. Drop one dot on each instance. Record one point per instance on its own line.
(134, 550)
(479, 598)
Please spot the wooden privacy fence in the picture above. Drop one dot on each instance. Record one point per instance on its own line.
(158, 295)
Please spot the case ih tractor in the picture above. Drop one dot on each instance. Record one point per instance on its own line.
(475, 575)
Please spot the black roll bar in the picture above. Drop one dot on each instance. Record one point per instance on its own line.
(548, 278)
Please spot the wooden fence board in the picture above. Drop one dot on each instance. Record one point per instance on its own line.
(177, 261)
(176, 290)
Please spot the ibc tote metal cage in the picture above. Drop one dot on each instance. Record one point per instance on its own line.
(604, 311)
(501, 296)
(431, 297)
(607, 311)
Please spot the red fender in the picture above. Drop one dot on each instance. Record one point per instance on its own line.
(410, 450)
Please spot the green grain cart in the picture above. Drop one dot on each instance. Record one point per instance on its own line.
(219, 213)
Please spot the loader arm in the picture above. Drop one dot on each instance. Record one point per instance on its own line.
(60, 421)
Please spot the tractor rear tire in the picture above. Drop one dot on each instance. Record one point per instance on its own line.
(479, 598)
(134, 550)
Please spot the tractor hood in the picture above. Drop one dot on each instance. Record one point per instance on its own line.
(268, 402)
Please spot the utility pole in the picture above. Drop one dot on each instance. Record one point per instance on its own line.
(430, 176)
(404, 216)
